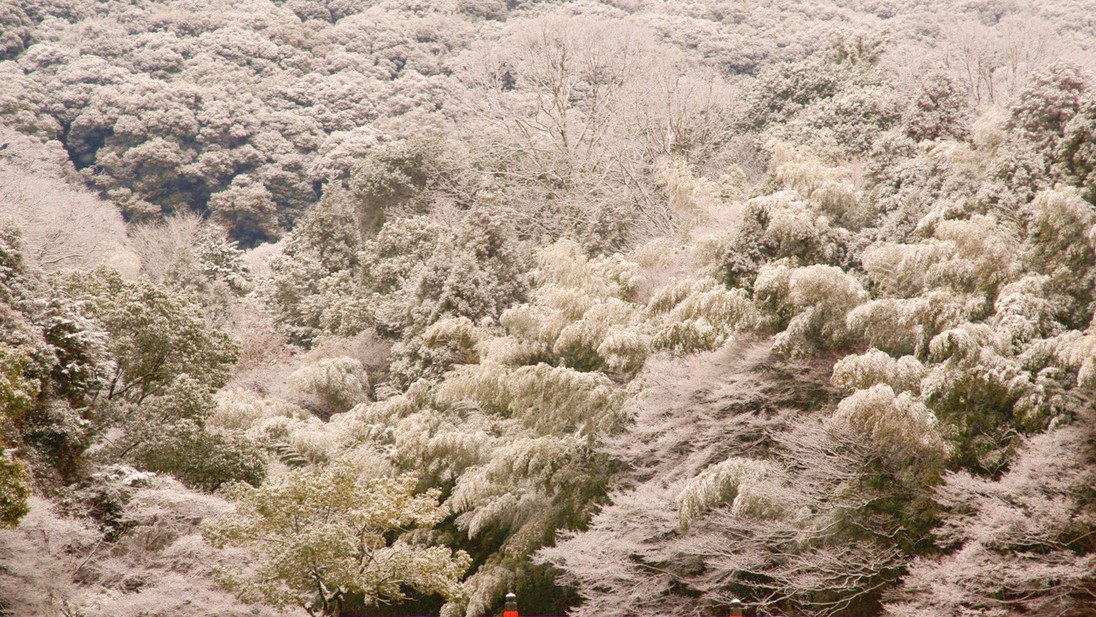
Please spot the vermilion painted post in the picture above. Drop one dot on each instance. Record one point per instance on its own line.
(736, 608)
(510, 609)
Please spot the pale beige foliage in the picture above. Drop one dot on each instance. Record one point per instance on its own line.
(667, 260)
(532, 330)
(166, 249)
(989, 248)
(564, 265)
(937, 310)
(966, 344)
(900, 426)
(830, 189)
(826, 287)
(902, 326)
(320, 535)
(339, 383)
(791, 226)
(695, 199)
(742, 482)
(817, 298)
(439, 444)
(771, 290)
(570, 285)
(484, 587)
(238, 409)
(698, 314)
(547, 399)
(313, 439)
(62, 226)
(582, 312)
(902, 270)
(860, 372)
(1083, 354)
(988, 129)
(304, 436)
(1023, 313)
(885, 323)
(624, 349)
(459, 331)
(508, 490)
(611, 327)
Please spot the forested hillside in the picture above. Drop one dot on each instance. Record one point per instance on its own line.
(630, 307)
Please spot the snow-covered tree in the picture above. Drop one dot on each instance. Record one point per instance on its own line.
(1021, 543)
(323, 539)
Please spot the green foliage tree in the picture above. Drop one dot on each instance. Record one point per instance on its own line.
(18, 395)
(394, 177)
(51, 364)
(337, 384)
(1022, 543)
(14, 491)
(316, 270)
(165, 363)
(155, 335)
(325, 536)
(168, 433)
(476, 274)
(955, 264)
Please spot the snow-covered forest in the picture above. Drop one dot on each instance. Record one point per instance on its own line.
(630, 307)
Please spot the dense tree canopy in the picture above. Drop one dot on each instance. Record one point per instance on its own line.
(322, 540)
(627, 306)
